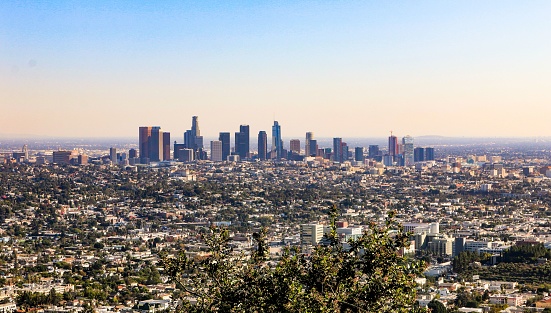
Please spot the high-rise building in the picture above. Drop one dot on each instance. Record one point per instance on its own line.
(359, 154)
(82, 159)
(156, 144)
(307, 149)
(192, 137)
(145, 135)
(373, 151)
(189, 139)
(132, 153)
(408, 153)
(236, 143)
(429, 154)
(313, 147)
(166, 146)
(242, 139)
(151, 144)
(392, 145)
(187, 155)
(64, 157)
(294, 146)
(419, 154)
(345, 152)
(277, 141)
(225, 139)
(337, 150)
(311, 234)
(262, 145)
(216, 151)
(327, 153)
(25, 151)
(195, 126)
(178, 148)
(113, 155)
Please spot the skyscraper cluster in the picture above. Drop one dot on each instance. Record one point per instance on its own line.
(154, 146)
(402, 154)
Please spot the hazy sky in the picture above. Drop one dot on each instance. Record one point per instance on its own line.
(337, 68)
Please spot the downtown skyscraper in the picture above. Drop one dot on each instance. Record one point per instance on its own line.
(262, 145)
(192, 137)
(224, 137)
(393, 145)
(277, 141)
(407, 143)
(216, 151)
(242, 139)
(310, 145)
(152, 145)
(337, 150)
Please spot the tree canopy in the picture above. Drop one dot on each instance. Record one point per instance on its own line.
(370, 276)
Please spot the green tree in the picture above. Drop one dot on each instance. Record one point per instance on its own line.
(53, 297)
(368, 277)
(436, 306)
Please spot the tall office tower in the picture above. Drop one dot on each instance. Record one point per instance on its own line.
(199, 143)
(262, 145)
(277, 142)
(178, 148)
(392, 145)
(359, 154)
(419, 154)
(373, 151)
(236, 143)
(225, 138)
(113, 155)
(195, 126)
(216, 151)
(400, 149)
(156, 144)
(192, 137)
(429, 154)
(189, 140)
(313, 146)
(327, 153)
(242, 139)
(145, 135)
(294, 146)
(337, 150)
(345, 152)
(408, 153)
(187, 155)
(307, 149)
(132, 153)
(166, 146)
(25, 151)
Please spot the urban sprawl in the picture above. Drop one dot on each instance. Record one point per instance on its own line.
(84, 229)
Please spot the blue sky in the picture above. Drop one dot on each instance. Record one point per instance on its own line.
(347, 68)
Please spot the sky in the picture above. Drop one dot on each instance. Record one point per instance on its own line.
(336, 68)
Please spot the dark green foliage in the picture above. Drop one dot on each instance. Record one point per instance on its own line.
(468, 299)
(370, 277)
(32, 299)
(436, 306)
(526, 253)
(519, 272)
(463, 260)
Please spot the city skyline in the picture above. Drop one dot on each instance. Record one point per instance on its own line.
(349, 69)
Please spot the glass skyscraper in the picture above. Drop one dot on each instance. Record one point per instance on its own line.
(277, 142)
